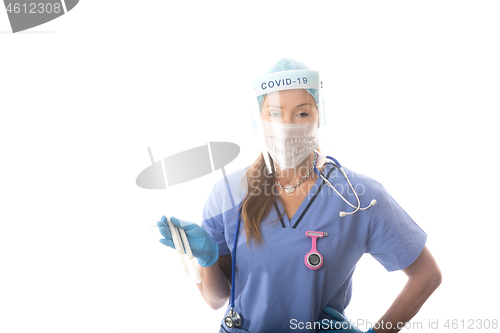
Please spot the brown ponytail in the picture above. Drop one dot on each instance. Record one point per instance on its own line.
(259, 199)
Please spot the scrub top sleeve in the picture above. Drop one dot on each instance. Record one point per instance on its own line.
(394, 239)
(212, 221)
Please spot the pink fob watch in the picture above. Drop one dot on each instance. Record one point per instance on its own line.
(313, 258)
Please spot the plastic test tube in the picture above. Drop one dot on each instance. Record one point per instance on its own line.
(178, 244)
(189, 254)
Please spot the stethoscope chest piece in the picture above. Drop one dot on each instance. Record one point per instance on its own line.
(313, 259)
(232, 319)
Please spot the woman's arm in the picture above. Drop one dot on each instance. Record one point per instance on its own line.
(424, 277)
(215, 286)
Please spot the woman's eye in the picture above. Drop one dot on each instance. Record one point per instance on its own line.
(274, 114)
(302, 114)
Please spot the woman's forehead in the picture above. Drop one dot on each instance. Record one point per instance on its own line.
(289, 98)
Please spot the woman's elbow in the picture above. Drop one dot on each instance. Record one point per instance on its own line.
(217, 304)
(431, 278)
(437, 277)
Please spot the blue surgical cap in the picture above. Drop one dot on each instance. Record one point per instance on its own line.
(289, 64)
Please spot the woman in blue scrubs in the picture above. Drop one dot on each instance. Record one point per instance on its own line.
(277, 287)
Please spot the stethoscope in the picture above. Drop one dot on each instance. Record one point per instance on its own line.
(337, 164)
(313, 259)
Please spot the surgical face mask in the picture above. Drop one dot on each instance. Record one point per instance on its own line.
(290, 144)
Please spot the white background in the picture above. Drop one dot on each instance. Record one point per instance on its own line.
(412, 92)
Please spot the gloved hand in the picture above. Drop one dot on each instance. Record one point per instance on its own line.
(202, 245)
(340, 324)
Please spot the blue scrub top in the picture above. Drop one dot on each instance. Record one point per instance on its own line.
(275, 291)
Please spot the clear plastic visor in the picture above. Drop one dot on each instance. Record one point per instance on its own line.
(288, 117)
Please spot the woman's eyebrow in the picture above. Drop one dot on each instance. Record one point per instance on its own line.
(274, 106)
(298, 106)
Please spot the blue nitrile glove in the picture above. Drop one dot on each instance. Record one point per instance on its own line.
(202, 245)
(340, 324)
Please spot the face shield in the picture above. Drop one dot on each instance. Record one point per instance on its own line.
(288, 117)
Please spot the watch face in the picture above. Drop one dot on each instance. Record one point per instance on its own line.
(314, 259)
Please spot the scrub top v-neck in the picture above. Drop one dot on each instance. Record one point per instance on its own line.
(304, 206)
(274, 290)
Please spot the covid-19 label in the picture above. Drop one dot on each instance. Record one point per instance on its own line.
(24, 15)
(294, 79)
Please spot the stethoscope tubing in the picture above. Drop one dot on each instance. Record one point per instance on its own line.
(337, 164)
(233, 257)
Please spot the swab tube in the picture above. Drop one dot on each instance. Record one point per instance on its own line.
(189, 254)
(178, 244)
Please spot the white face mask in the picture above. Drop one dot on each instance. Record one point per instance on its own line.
(290, 144)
